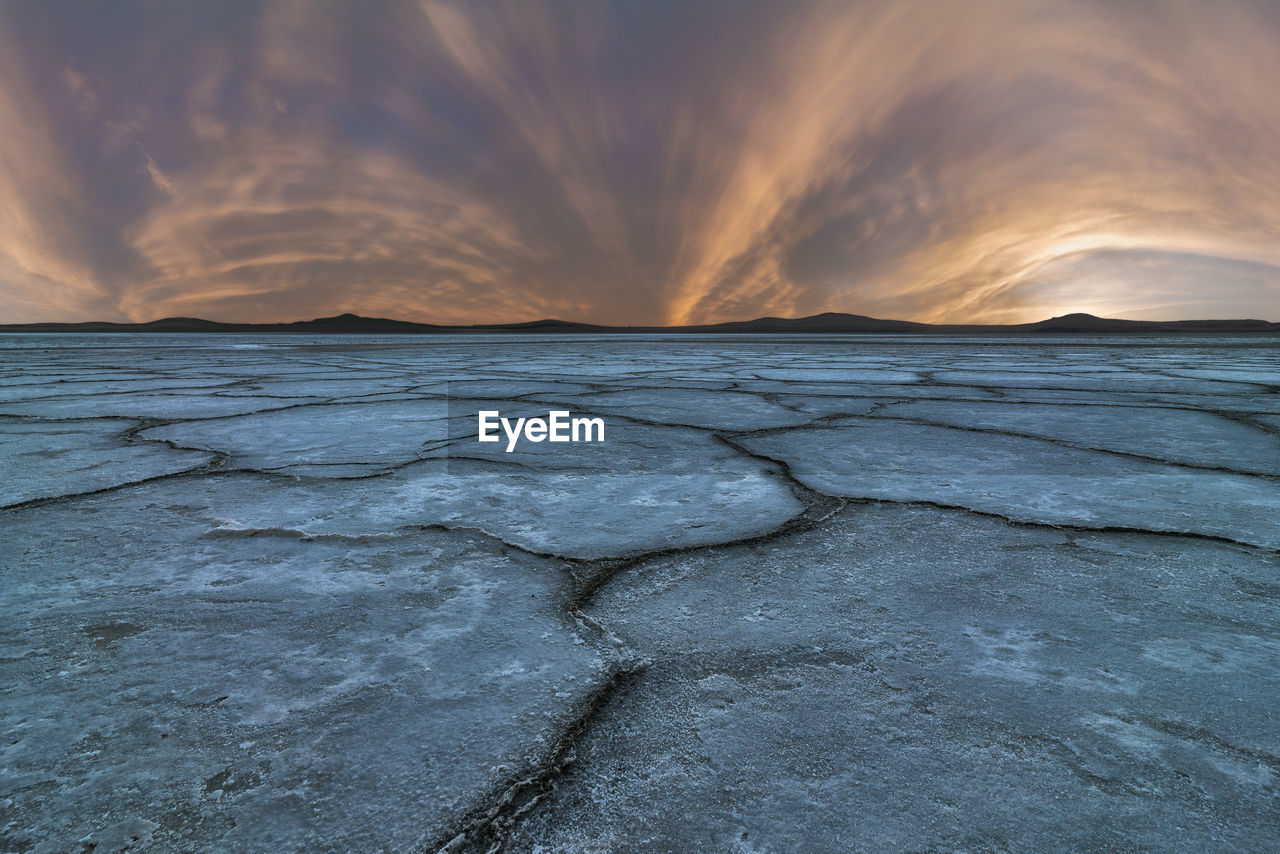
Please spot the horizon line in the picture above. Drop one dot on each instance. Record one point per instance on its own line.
(1082, 318)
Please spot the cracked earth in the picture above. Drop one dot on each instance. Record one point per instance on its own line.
(825, 594)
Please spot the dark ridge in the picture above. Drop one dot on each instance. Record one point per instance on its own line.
(545, 325)
(827, 322)
(830, 322)
(1089, 323)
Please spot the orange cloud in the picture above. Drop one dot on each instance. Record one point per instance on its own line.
(634, 163)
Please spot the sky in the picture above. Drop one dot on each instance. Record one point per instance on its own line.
(640, 162)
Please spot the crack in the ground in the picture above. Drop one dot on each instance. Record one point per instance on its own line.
(487, 826)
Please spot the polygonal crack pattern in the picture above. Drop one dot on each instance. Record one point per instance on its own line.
(811, 593)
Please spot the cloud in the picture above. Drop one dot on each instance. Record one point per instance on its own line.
(42, 268)
(641, 163)
(78, 85)
(160, 179)
(933, 165)
(282, 225)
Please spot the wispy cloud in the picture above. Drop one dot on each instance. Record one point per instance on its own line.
(43, 271)
(640, 163)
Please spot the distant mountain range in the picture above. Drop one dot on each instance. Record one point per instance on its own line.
(827, 323)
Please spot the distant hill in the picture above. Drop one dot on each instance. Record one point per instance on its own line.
(1069, 323)
(829, 322)
(343, 323)
(1083, 324)
(1089, 323)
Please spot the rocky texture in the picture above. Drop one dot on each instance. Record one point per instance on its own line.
(839, 594)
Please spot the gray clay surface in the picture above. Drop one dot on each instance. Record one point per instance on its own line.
(811, 594)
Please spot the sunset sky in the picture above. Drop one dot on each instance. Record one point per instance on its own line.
(639, 162)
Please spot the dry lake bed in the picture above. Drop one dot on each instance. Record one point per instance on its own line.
(830, 593)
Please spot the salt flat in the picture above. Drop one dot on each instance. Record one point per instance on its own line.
(818, 593)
